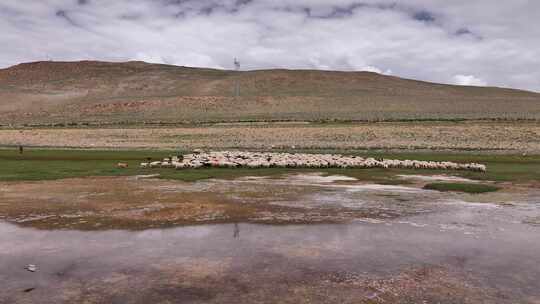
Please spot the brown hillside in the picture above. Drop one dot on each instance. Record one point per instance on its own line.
(136, 92)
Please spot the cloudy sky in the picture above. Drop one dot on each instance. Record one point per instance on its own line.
(469, 42)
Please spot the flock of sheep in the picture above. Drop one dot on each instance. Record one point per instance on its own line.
(233, 159)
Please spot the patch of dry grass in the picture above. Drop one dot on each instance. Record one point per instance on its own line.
(466, 136)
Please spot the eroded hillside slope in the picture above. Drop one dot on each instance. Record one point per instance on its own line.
(138, 92)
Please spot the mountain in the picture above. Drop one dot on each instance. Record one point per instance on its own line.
(138, 92)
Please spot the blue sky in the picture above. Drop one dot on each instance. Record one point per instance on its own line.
(481, 42)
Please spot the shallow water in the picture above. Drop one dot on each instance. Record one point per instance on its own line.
(486, 250)
(492, 244)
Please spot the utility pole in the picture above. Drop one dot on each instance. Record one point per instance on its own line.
(236, 83)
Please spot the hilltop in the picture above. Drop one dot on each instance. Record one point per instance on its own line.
(138, 92)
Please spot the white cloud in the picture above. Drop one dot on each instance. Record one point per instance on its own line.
(433, 40)
(152, 58)
(375, 70)
(469, 80)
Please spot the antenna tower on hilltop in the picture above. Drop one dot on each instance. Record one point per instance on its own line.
(236, 83)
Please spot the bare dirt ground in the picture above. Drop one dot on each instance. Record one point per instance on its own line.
(466, 136)
(48, 93)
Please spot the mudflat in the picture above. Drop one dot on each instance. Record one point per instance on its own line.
(142, 202)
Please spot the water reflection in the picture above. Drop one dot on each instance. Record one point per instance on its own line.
(505, 255)
(236, 232)
(493, 244)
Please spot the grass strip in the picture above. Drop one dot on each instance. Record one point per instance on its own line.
(461, 187)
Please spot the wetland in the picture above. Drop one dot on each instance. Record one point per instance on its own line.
(109, 235)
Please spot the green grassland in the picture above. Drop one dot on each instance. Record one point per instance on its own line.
(43, 164)
(461, 187)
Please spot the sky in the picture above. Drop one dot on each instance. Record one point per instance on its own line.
(464, 42)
